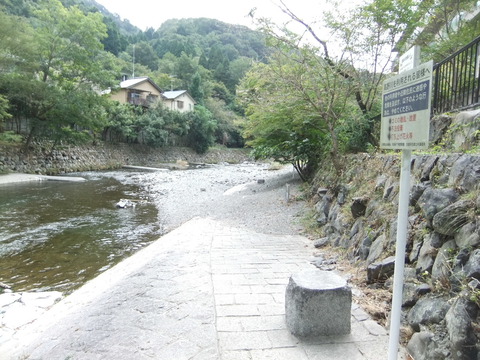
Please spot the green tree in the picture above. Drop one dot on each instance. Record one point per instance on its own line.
(120, 120)
(228, 131)
(201, 134)
(158, 126)
(185, 69)
(17, 45)
(196, 89)
(313, 96)
(286, 112)
(4, 114)
(443, 29)
(115, 42)
(66, 64)
(144, 54)
(69, 43)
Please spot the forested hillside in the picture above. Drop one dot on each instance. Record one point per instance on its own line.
(57, 57)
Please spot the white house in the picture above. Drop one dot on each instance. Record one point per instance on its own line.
(179, 100)
(143, 91)
(138, 91)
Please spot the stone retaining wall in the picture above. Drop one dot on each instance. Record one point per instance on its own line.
(42, 160)
(357, 212)
(442, 277)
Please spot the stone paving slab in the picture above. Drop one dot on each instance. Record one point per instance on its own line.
(203, 291)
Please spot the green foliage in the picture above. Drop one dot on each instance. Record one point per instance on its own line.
(52, 82)
(68, 43)
(144, 54)
(310, 102)
(55, 56)
(4, 105)
(120, 119)
(295, 104)
(17, 44)
(157, 125)
(10, 137)
(115, 42)
(196, 89)
(228, 131)
(202, 129)
(446, 28)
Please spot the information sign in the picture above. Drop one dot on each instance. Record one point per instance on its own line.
(406, 109)
(409, 60)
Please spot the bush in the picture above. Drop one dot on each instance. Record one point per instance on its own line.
(10, 137)
(202, 130)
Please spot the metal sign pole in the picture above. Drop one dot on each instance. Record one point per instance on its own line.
(406, 104)
(402, 225)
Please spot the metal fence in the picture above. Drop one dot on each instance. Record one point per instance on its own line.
(456, 83)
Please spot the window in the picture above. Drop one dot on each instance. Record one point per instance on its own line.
(179, 104)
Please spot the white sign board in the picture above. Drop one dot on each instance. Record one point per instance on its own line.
(406, 109)
(409, 59)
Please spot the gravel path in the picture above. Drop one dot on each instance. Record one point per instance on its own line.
(248, 195)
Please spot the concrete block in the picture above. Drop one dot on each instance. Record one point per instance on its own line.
(318, 303)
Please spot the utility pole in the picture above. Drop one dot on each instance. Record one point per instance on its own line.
(133, 63)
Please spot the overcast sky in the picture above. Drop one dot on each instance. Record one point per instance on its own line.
(152, 13)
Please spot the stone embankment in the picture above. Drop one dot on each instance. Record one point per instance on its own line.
(66, 159)
(358, 213)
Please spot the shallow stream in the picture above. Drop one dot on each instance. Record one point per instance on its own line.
(57, 235)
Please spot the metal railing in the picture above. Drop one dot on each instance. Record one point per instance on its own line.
(456, 82)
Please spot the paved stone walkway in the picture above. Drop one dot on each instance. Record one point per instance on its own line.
(203, 291)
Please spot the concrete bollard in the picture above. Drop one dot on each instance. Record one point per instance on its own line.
(318, 303)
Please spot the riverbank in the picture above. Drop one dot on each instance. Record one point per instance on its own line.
(42, 160)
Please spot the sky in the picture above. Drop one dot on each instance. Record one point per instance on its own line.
(152, 13)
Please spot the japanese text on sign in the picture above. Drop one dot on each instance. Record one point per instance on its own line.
(407, 79)
(406, 109)
(412, 98)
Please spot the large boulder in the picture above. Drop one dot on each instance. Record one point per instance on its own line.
(426, 256)
(466, 125)
(381, 271)
(416, 190)
(443, 265)
(322, 208)
(434, 200)
(359, 206)
(461, 332)
(425, 345)
(465, 173)
(472, 267)
(376, 249)
(428, 310)
(427, 164)
(438, 127)
(452, 218)
(468, 236)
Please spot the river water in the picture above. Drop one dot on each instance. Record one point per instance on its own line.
(57, 235)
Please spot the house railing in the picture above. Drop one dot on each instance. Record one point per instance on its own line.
(139, 101)
(456, 82)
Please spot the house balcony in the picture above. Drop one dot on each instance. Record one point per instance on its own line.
(140, 102)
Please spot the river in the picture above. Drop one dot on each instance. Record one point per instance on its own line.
(57, 235)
